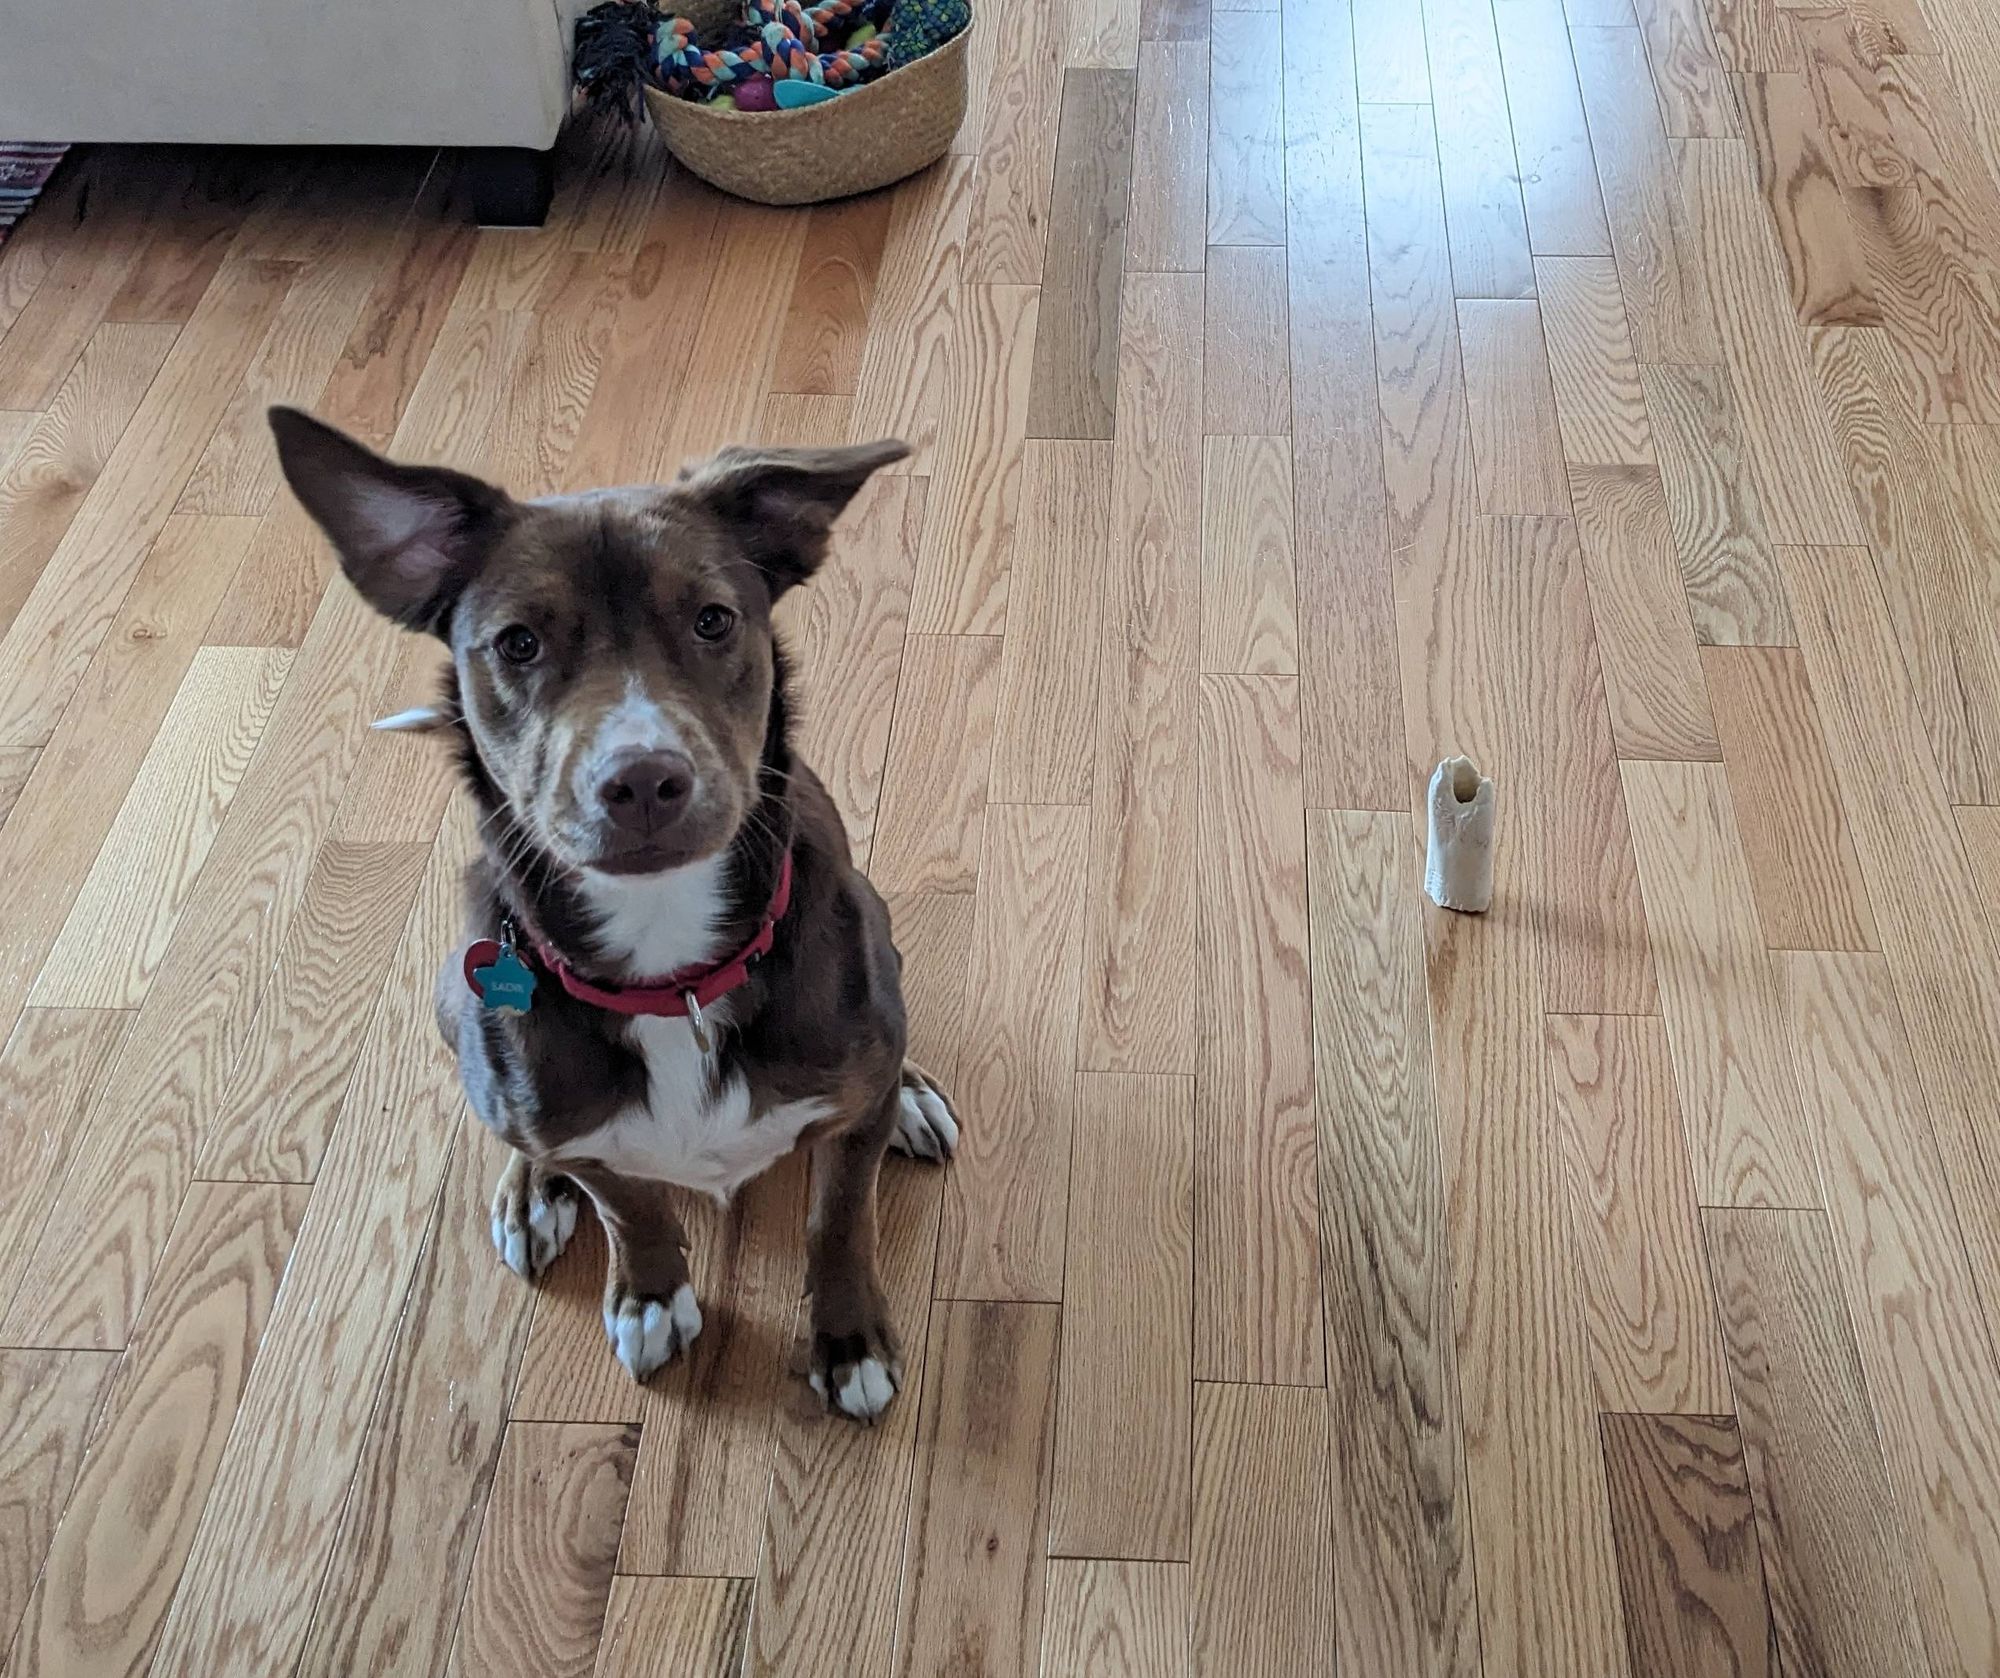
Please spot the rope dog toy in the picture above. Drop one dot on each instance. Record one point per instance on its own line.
(625, 43)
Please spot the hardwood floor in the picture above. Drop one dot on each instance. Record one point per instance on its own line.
(1299, 391)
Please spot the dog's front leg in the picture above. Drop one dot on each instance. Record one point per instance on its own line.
(856, 1367)
(650, 1312)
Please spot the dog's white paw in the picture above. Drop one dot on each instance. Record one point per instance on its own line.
(926, 1127)
(648, 1333)
(861, 1390)
(533, 1219)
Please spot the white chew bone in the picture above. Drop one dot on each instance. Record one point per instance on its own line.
(418, 719)
(1458, 859)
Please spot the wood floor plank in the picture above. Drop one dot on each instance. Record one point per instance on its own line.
(826, 323)
(1789, 811)
(1140, 931)
(1599, 399)
(674, 1628)
(1174, 20)
(541, 1578)
(1752, 35)
(1391, 62)
(1786, 442)
(51, 1399)
(131, 1519)
(1645, 639)
(1116, 1619)
(123, 919)
(899, 388)
(1401, 1530)
(1687, 1548)
(1103, 35)
(1559, 187)
(1721, 991)
(1476, 156)
(51, 474)
(272, 1520)
(1665, 302)
(186, 245)
(1166, 228)
(972, 1592)
(1688, 72)
(1246, 382)
(1073, 390)
(1928, 1364)
(1003, 1234)
(1246, 132)
(961, 586)
(1119, 1482)
(1734, 591)
(1516, 439)
(1652, 1322)
(1256, 1256)
(1837, 1576)
(1348, 694)
(933, 805)
(1006, 232)
(1824, 259)
(1263, 1598)
(1249, 584)
(1925, 895)
(1045, 730)
(17, 763)
(399, 1564)
(64, 619)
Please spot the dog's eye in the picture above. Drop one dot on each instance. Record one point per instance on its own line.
(518, 644)
(714, 622)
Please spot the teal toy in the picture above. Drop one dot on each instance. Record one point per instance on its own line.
(791, 95)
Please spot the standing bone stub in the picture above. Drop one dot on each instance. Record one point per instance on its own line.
(1458, 860)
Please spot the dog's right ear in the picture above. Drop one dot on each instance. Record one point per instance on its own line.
(409, 537)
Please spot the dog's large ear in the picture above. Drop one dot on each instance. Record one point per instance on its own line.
(782, 502)
(409, 537)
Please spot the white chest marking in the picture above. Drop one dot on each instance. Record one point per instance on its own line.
(686, 1133)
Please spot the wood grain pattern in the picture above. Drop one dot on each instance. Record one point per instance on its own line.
(1256, 1260)
(1687, 70)
(1246, 388)
(961, 586)
(1735, 594)
(1652, 1321)
(826, 324)
(1262, 1595)
(1166, 228)
(1045, 730)
(1140, 929)
(1808, 884)
(1115, 1619)
(1246, 141)
(123, 918)
(1752, 35)
(1074, 385)
(1008, 222)
(1835, 1568)
(1103, 34)
(1599, 399)
(1687, 1548)
(17, 763)
(1516, 441)
(542, 1574)
(1929, 1368)
(1004, 1240)
(1391, 62)
(1249, 584)
(972, 1594)
(1721, 991)
(1559, 188)
(51, 1399)
(117, 1556)
(1119, 1484)
(1476, 153)
(1401, 1533)
(933, 805)
(674, 1628)
(1653, 680)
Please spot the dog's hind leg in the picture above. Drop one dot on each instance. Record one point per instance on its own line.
(650, 1312)
(926, 1121)
(534, 1215)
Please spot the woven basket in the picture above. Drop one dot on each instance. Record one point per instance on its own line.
(882, 131)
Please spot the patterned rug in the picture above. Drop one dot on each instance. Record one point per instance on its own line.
(25, 167)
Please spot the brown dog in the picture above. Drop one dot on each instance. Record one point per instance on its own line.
(708, 982)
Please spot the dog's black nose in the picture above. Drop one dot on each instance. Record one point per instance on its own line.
(645, 792)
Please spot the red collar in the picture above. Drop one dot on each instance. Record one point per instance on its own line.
(676, 995)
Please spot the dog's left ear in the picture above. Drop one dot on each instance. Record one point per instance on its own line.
(782, 502)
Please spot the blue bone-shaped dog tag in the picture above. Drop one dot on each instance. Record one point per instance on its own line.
(506, 985)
